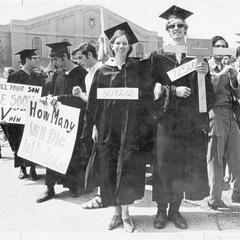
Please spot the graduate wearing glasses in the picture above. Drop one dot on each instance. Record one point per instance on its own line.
(29, 60)
(181, 140)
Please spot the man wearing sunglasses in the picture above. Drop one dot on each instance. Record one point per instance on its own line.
(181, 143)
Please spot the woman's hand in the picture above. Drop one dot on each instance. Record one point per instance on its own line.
(183, 92)
(95, 134)
(158, 90)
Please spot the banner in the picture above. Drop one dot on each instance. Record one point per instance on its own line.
(49, 135)
(13, 100)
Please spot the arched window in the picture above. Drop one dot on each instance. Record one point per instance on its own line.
(37, 43)
(139, 50)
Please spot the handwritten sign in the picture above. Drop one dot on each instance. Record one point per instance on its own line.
(49, 135)
(118, 93)
(182, 70)
(13, 100)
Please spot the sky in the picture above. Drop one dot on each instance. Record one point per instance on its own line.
(211, 17)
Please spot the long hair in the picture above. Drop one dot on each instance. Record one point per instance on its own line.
(120, 33)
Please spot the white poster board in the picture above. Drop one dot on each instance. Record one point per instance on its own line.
(13, 100)
(49, 135)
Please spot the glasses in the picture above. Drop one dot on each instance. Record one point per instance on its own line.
(172, 26)
(222, 46)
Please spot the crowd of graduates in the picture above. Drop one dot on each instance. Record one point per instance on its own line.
(158, 122)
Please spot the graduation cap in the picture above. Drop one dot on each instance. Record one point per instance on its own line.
(125, 27)
(26, 53)
(58, 48)
(175, 11)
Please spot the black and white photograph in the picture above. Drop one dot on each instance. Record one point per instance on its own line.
(119, 119)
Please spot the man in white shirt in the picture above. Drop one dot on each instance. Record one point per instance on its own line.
(87, 57)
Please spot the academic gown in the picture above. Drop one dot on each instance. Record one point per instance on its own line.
(120, 161)
(63, 84)
(14, 132)
(181, 141)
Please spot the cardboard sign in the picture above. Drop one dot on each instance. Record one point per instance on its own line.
(199, 47)
(182, 70)
(13, 100)
(49, 135)
(118, 93)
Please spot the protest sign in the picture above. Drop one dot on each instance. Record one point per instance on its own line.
(13, 100)
(49, 135)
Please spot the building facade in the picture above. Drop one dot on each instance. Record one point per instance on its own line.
(76, 24)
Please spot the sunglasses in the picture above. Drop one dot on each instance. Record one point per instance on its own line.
(172, 26)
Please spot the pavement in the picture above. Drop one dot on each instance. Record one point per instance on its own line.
(21, 218)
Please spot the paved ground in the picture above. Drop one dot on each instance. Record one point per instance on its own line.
(63, 218)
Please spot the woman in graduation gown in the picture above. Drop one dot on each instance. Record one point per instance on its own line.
(181, 129)
(120, 167)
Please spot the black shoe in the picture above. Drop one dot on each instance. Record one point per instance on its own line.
(220, 207)
(160, 219)
(33, 175)
(177, 219)
(23, 173)
(73, 192)
(47, 195)
(235, 196)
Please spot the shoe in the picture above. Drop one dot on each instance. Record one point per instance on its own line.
(73, 192)
(95, 202)
(177, 219)
(33, 175)
(47, 195)
(23, 173)
(115, 222)
(220, 207)
(160, 220)
(235, 196)
(128, 225)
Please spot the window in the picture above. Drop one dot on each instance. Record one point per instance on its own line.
(92, 21)
(37, 43)
(139, 50)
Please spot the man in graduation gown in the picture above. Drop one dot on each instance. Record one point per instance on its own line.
(181, 141)
(66, 77)
(26, 75)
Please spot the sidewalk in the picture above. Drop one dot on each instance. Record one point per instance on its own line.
(63, 218)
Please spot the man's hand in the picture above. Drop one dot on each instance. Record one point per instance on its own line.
(202, 67)
(77, 91)
(183, 92)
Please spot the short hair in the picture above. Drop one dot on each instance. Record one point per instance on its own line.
(217, 38)
(85, 48)
(238, 52)
(120, 33)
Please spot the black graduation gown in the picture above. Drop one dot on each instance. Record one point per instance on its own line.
(181, 141)
(120, 158)
(14, 132)
(63, 85)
